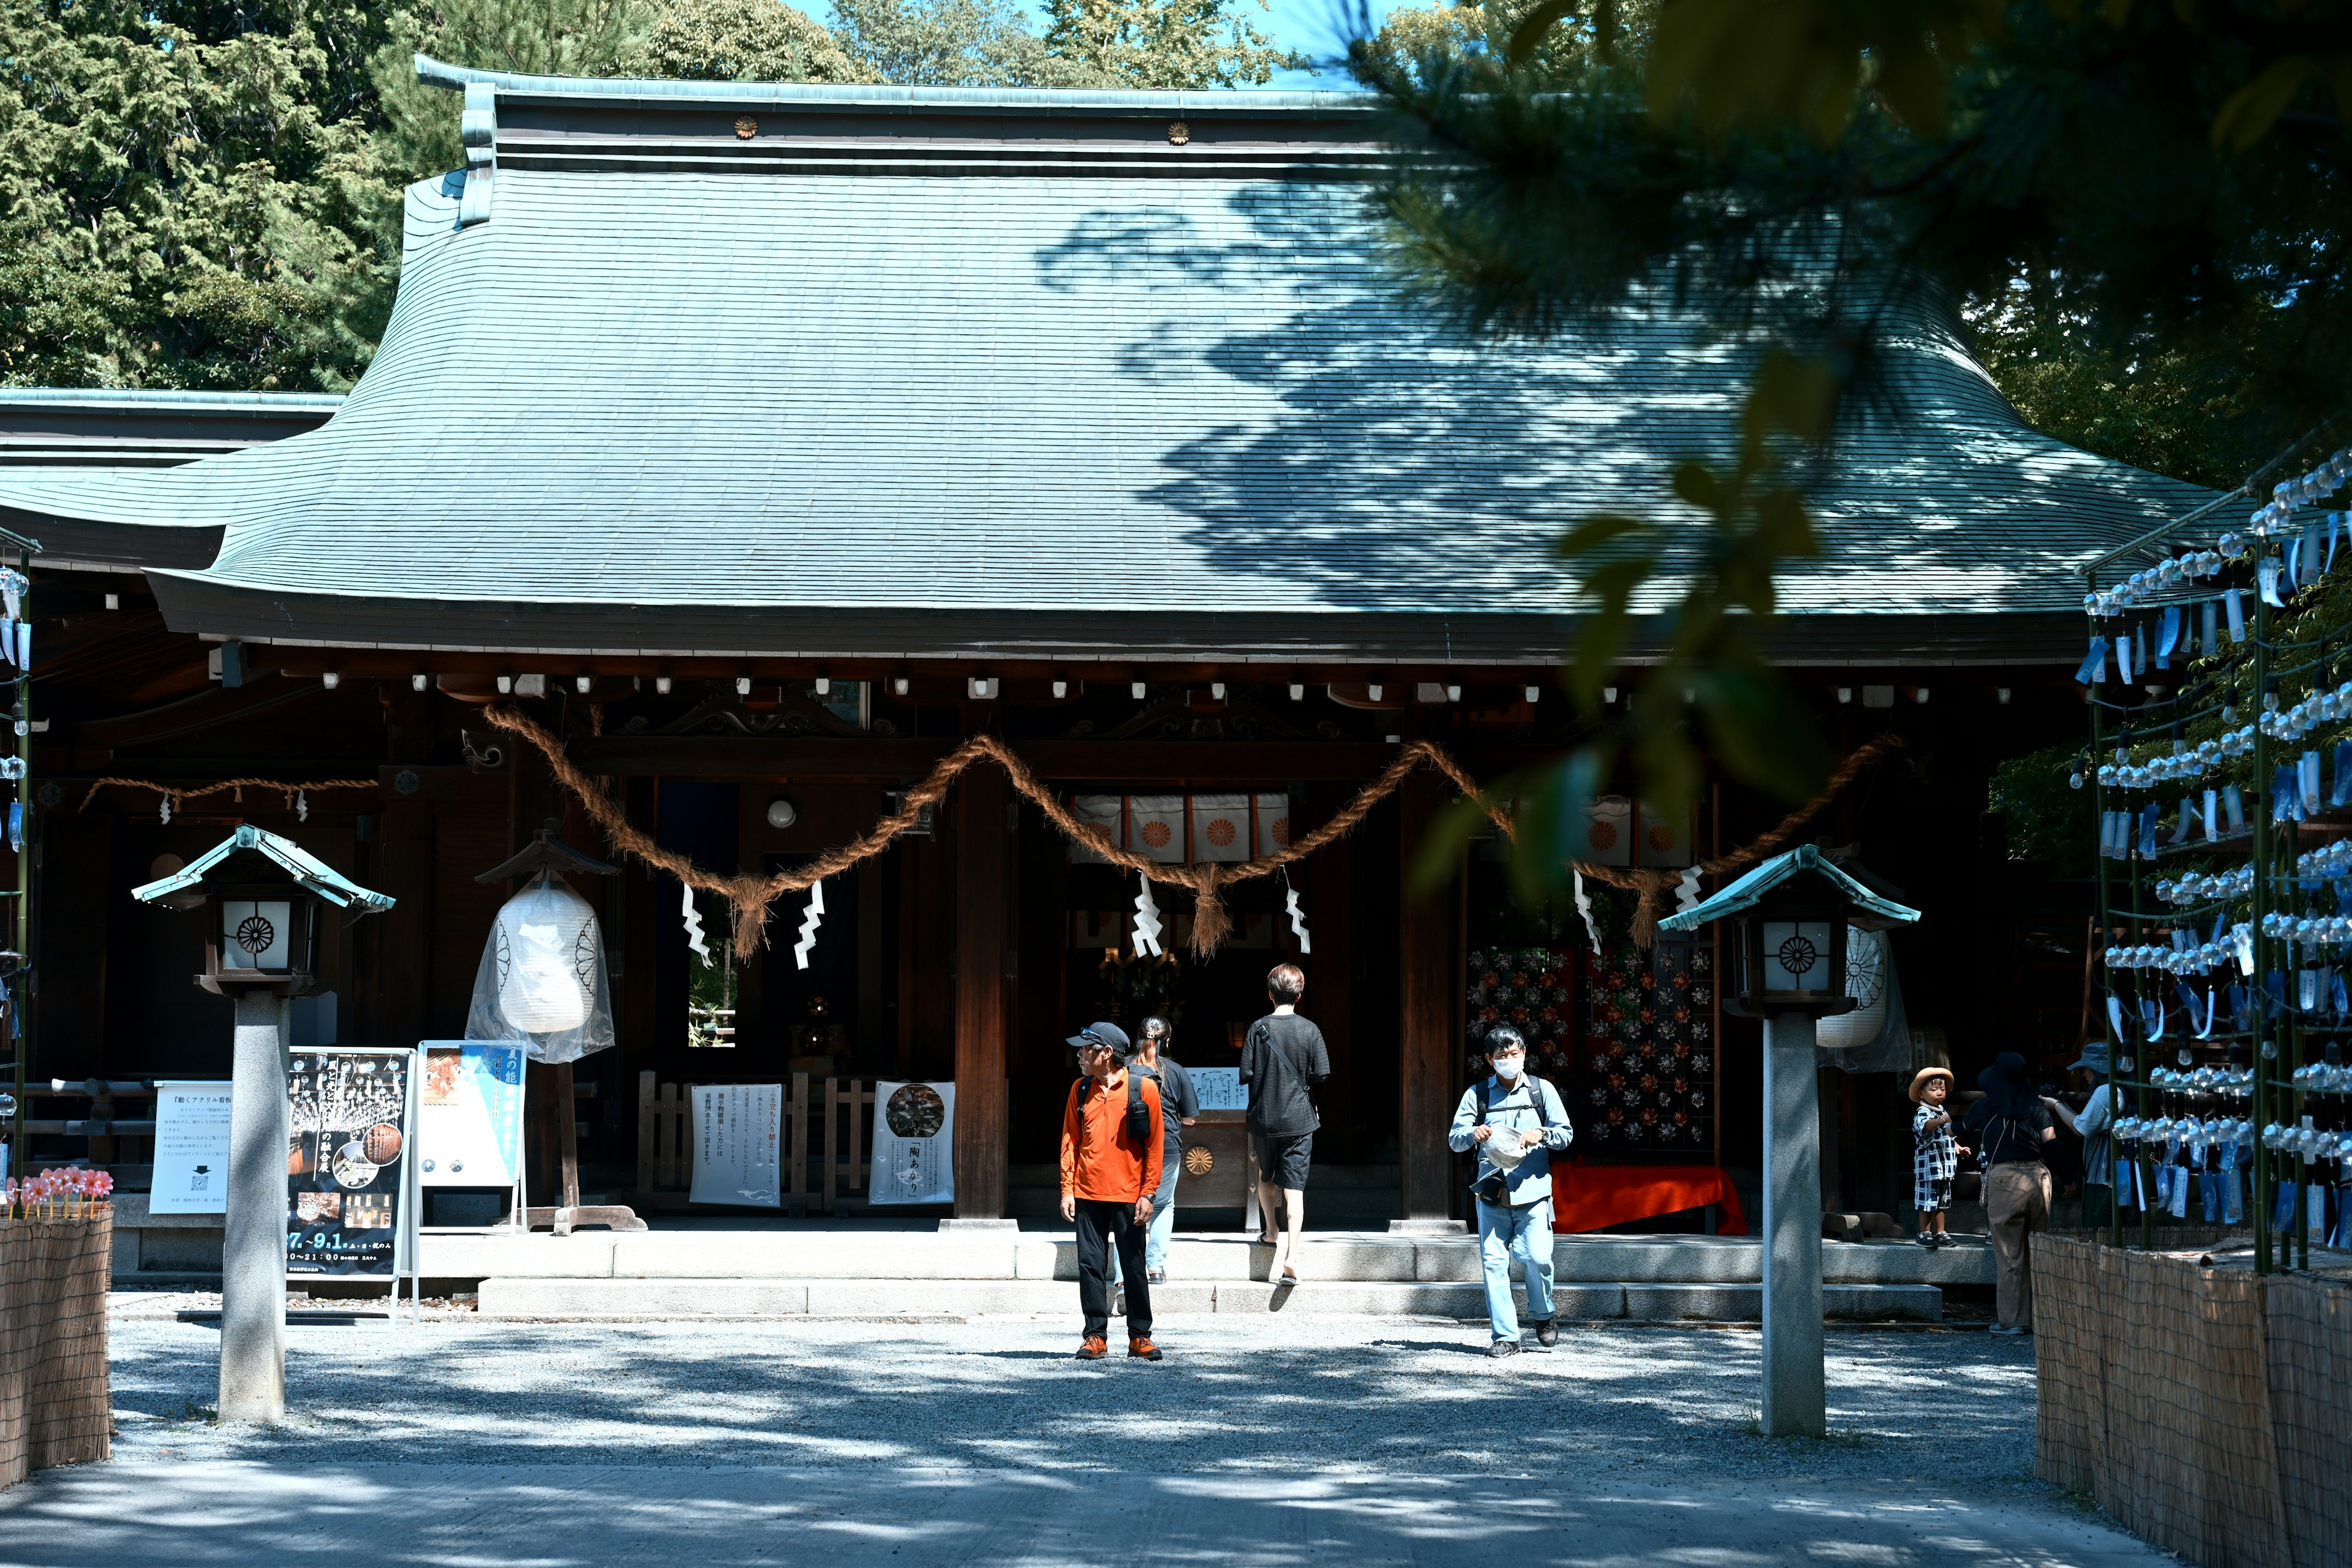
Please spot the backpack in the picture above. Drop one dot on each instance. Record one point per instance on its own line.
(1495, 1189)
(1139, 1115)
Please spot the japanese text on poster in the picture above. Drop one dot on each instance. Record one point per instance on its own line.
(738, 1143)
(352, 1116)
(191, 1149)
(914, 1143)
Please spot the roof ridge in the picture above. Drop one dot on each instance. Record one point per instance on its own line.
(823, 95)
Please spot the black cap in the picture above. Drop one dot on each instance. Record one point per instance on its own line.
(1102, 1034)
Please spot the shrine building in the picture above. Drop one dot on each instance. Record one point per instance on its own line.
(762, 443)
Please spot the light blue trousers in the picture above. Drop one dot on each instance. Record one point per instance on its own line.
(1163, 1225)
(1524, 1233)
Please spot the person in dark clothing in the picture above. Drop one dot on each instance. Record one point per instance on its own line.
(1181, 1107)
(2013, 1123)
(1281, 1059)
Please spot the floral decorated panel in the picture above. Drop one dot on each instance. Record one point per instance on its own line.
(1533, 989)
(1646, 1079)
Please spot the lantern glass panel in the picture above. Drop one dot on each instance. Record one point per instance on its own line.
(256, 933)
(1796, 955)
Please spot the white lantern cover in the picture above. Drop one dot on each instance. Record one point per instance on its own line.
(542, 982)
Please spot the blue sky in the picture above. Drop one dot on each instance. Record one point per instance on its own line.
(1317, 27)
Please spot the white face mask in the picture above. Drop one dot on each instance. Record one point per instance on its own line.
(1510, 1067)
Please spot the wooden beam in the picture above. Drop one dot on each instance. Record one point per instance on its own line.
(1427, 1080)
(983, 914)
(1157, 764)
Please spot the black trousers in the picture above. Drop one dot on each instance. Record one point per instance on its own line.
(1101, 1226)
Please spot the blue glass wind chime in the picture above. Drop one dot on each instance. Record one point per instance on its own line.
(16, 767)
(2216, 682)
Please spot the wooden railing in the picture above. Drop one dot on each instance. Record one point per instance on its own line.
(826, 1158)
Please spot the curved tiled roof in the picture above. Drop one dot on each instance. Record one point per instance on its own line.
(982, 377)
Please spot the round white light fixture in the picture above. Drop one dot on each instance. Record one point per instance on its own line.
(781, 813)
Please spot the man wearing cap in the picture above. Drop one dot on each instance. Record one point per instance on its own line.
(1516, 1122)
(1110, 1169)
(2094, 1121)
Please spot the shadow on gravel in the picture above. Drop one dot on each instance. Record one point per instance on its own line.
(1652, 1405)
(607, 1517)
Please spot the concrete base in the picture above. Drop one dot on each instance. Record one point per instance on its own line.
(1429, 1226)
(846, 1269)
(583, 1299)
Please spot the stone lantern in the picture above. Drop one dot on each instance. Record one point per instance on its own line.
(264, 900)
(1789, 919)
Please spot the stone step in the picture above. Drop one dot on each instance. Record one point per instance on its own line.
(1362, 1258)
(544, 1298)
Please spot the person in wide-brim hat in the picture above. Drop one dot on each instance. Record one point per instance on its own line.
(1919, 1080)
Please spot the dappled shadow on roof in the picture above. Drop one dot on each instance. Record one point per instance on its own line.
(1402, 464)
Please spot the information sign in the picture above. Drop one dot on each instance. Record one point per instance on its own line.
(191, 1149)
(914, 1143)
(737, 1144)
(469, 1114)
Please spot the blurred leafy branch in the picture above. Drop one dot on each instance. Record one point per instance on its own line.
(2138, 213)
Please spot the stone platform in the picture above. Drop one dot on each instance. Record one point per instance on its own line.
(863, 1269)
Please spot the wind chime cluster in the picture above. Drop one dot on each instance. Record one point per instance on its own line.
(2230, 1007)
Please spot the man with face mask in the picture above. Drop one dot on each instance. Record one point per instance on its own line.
(1515, 1123)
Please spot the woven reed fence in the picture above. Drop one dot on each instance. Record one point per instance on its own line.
(56, 1405)
(2208, 1409)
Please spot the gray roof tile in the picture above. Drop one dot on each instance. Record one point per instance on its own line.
(641, 397)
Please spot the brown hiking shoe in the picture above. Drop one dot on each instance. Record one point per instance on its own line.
(1093, 1348)
(1141, 1349)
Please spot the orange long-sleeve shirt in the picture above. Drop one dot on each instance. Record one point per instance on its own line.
(1101, 1161)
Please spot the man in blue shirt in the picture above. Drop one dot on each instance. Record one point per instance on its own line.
(1515, 1123)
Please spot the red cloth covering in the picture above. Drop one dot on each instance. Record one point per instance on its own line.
(1594, 1197)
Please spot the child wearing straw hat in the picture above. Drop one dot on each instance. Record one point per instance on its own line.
(1936, 1155)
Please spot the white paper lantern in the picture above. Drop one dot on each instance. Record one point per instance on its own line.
(1867, 965)
(547, 958)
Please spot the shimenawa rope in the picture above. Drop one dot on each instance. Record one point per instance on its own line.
(751, 896)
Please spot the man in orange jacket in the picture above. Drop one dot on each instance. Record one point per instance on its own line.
(1110, 1169)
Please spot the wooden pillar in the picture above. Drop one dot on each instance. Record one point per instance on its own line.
(982, 798)
(399, 1011)
(1427, 1081)
(1329, 883)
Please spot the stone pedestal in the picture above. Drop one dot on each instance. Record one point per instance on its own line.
(253, 1254)
(1794, 1398)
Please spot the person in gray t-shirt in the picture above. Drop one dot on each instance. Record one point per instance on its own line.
(1282, 1059)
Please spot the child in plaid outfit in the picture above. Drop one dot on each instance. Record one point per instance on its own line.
(1936, 1155)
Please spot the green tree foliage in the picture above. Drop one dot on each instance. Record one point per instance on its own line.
(188, 194)
(1189, 43)
(742, 40)
(2044, 818)
(952, 43)
(534, 37)
(2144, 209)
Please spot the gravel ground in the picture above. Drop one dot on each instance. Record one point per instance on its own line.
(1337, 1396)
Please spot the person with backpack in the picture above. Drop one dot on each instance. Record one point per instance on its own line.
(1517, 1123)
(1182, 1107)
(1112, 1139)
(2015, 1122)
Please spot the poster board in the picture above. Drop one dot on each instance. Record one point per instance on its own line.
(351, 1170)
(738, 1143)
(1219, 1089)
(914, 1143)
(191, 1148)
(469, 1114)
